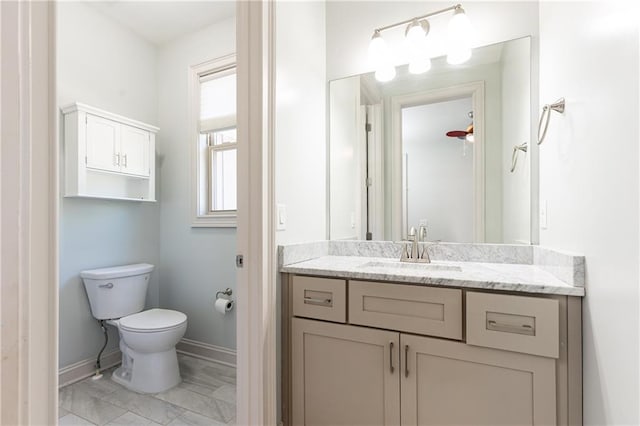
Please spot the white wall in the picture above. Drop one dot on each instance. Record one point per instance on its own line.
(300, 120)
(194, 262)
(440, 170)
(516, 129)
(300, 127)
(95, 66)
(589, 177)
(350, 25)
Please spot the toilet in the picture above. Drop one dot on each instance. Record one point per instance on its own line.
(147, 338)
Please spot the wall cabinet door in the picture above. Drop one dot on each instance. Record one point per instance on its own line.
(134, 151)
(116, 147)
(451, 383)
(103, 140)
(344, 375)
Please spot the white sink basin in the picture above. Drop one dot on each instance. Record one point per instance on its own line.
(412, 266)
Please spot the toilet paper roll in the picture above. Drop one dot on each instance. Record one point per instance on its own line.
(223, 305)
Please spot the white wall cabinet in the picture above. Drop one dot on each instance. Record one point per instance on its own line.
(107, 155)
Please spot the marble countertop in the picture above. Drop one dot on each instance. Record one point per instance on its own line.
(481, 275)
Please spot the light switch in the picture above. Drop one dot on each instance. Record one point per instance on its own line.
(281, 217)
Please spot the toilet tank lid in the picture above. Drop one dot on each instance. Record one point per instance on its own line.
(117, 271)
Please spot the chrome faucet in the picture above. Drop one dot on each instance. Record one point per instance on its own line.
(418, 252)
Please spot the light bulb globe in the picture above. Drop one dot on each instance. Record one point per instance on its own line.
(460, 25)
(378, 50)
(460, 35)
(415, 33)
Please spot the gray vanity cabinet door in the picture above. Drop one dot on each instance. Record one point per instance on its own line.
(450, 383)
(342, 375)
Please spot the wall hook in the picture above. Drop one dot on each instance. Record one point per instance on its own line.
(514, 157)
(557, 106)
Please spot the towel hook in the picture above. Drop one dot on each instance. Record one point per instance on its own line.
(557, 106)
(514, 157)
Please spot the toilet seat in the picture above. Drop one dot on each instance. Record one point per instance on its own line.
(152, 321)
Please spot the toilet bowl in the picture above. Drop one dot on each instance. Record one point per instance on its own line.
(147, 338)
(147, 343)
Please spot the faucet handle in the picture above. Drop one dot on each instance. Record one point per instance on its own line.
(411, 235)
(422, 233)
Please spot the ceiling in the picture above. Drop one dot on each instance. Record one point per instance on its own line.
(161, 21)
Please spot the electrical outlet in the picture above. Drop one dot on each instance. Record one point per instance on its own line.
(543, 214)
(422, 222)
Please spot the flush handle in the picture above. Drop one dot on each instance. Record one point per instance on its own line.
(107, 285)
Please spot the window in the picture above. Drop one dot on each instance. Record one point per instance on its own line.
(214, 120)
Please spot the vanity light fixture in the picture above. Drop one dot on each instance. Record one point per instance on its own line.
(458, 44)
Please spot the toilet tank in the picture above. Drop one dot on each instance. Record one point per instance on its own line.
(118, 291)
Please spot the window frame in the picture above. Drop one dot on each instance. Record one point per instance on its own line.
(200, 211)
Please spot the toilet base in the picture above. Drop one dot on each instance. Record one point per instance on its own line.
(148, 372)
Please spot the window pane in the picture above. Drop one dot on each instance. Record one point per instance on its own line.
(218, 97)
(223, 185)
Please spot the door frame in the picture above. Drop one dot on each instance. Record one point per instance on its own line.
(475, 90)
(256, 281)
(29, 216)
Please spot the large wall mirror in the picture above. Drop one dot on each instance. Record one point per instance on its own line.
(449, 149)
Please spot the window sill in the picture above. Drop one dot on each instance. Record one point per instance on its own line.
(212, 221)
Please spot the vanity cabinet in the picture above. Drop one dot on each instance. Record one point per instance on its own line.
(344, 375)
(107, 155)
(451, 383)
(516, 362)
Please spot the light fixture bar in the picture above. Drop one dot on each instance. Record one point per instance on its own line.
(417, 18)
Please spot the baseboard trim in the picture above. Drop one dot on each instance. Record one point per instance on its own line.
(83, 369)
(206, 351)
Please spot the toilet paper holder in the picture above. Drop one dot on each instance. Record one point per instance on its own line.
(227, 292)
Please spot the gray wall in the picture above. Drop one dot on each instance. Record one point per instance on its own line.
(94, 67)
(194, 262)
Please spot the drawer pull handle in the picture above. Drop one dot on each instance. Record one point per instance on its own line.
(406, 360)
(317, 301)
(391, 357)
(521, 328)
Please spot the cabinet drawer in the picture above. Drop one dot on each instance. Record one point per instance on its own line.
(514, 323)
(415, 309)
(320, 298)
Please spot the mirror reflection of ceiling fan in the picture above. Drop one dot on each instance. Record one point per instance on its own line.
(465, 135)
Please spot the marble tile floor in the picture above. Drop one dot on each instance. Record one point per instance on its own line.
(205, 397)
